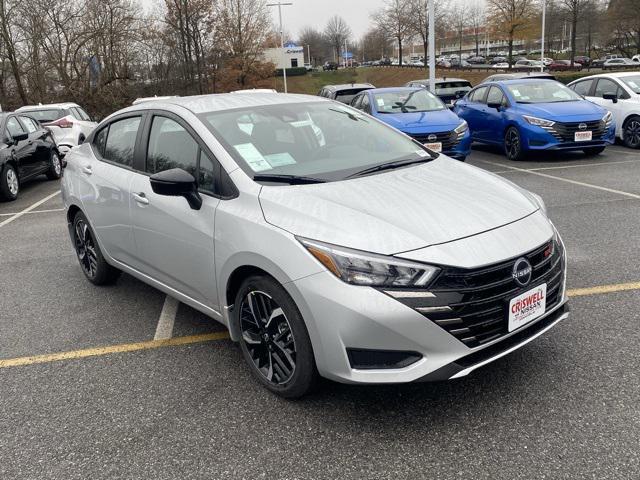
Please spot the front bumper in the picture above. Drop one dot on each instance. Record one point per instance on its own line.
(537, 138)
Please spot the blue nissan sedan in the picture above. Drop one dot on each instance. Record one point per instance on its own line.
(419, 114)
(525, 115)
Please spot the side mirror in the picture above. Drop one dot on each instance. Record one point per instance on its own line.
(496, 105)
(610, 96)
(20, 137)
(177, 183)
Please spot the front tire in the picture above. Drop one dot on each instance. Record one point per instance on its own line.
(55, 166)
(274, 338)
(631, 132)
(592, 151)
(513, 145)
(93, 264)
(9, 183)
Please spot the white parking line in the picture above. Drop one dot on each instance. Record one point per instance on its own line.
(164, 330)
(561, 167)
(32, 212)
(28, 209)
(574, 182)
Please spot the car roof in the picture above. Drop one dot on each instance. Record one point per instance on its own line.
(348, 86)
(47, 106)
(394, 89)
(441, 80)
(612, 74)
(217, 102)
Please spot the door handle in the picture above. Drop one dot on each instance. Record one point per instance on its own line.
(141, 198)
(87, 169)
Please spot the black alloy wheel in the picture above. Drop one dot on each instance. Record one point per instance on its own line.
(267, 335)
(513, 144)
(93, 264)
(631, 132)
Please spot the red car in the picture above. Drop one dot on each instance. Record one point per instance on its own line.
(563, 65)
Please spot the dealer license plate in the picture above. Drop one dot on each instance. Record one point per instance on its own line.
(527, 306)
(583, 136)
(436, 146)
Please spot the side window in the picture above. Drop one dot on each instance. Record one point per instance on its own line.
(582, 88)
(170, 146)
(477, 96)
(121, 141)
(28, 124)
(207, 173)
(100, 139)
(605, 85)
(13, 127)
(496, 96)
(365, 105)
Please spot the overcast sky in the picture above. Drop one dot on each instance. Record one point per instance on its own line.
(316, 13)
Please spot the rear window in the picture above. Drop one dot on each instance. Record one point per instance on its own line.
(345, 96)
(450, 88)
(46, 115)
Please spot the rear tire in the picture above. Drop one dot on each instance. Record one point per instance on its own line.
(274, 338)
(93, 264)
(592, 151)
(513, 145)
(55, 166)
(9, 183)
(631, 132)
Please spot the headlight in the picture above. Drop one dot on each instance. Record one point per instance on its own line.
(538, 122)
(361, 268)
(607, 117)
(463, 127)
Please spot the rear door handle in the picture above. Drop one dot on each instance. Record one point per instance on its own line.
(87, 169)
(141, 198)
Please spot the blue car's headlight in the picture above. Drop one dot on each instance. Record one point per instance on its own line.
(538, 122)
(607, 119)
(463, 127)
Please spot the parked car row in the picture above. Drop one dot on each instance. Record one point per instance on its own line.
(520, 112)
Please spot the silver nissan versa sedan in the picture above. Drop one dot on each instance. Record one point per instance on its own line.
(328, 243)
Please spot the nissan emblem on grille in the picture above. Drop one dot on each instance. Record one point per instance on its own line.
(582, 126)
(522, 272)
(432, 137)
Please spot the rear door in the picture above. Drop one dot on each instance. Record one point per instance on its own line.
(174, 243)
(38, 137)
(104, 181)
(23, 151)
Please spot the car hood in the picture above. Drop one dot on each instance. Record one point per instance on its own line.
(565, 111)
(421, 121)
(399, 210)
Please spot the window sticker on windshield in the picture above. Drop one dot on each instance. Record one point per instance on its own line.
(280, 159)
(422, 153)
(380, 102)
(633, 84)
(253, 157)
(516, 93)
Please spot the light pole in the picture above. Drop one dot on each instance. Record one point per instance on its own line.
(544, 15)
(284, 69)
(432, 47)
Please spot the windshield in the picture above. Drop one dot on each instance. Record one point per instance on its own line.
(450, 88)
(407, 102)
(541, 92)
(44, 116)
(632, 82)
(322, 140)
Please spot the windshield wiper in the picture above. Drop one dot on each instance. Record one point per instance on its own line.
(350, 115)
(290, 179)
(390, 166)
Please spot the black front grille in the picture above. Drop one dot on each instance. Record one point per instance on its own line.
(472, 304)
(448, 139)
(565, 132)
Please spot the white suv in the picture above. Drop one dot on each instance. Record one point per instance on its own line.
(68, 122)
(620, 94)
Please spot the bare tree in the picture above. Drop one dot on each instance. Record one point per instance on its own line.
(394, 20)
(319, 48)
(511, 18)
(7, 12)
(575, 9)
(458, 22)
(419, 19)
(336, 33)
(477, 20)
(376, 44)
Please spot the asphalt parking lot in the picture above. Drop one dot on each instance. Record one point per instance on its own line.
(86, 391)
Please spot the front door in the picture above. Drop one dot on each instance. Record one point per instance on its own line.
(174, 243)
(23, 151)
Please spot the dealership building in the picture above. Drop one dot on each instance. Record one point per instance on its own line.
(291, 56)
